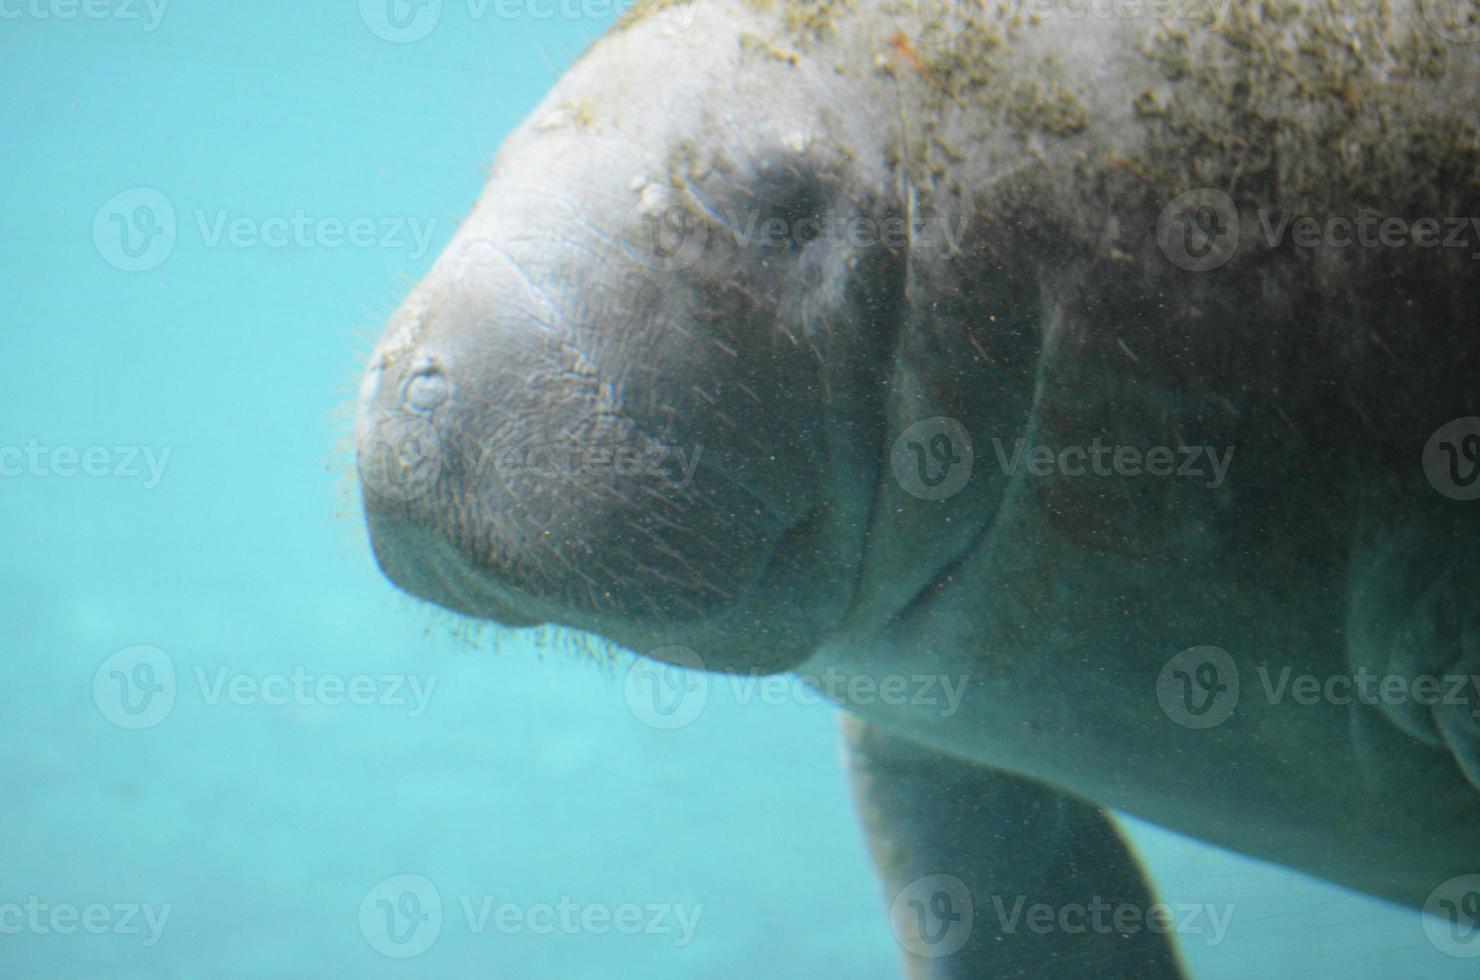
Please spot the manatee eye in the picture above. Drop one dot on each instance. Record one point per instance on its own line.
(786, 205)
(798, 199)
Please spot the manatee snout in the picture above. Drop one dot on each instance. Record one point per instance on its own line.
(552, 432)
(505, 478)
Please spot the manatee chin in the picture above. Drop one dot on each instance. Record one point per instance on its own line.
(596, 415)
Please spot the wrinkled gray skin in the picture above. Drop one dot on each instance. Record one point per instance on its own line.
(792, 368)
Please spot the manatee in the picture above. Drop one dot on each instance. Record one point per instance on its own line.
(1118, 371)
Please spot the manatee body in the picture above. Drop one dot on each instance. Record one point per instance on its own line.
(1123, 368)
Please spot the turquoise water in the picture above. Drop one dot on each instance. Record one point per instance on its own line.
(180, 434)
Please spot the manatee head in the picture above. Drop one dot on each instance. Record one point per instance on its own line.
(640, 393)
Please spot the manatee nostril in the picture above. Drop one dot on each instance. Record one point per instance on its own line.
(426, 387)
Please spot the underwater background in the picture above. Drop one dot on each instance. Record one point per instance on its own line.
(231, 748)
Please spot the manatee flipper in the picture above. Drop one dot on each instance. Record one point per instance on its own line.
(1414, 621)
(1013, 844)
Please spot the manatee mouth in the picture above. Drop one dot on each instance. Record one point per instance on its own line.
(421, 560)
